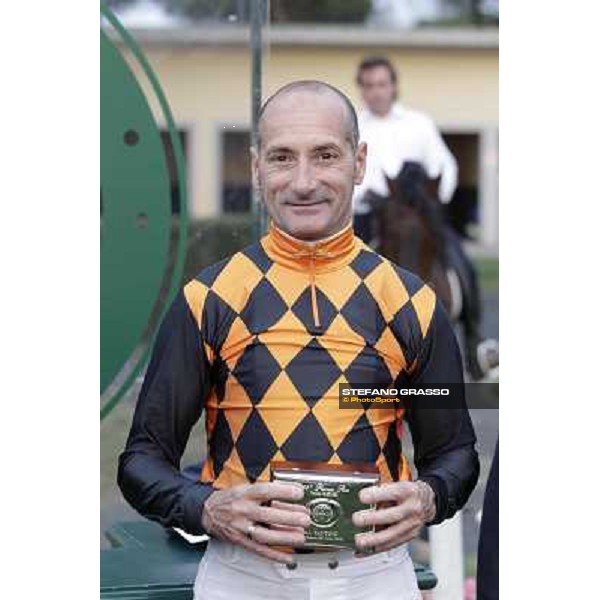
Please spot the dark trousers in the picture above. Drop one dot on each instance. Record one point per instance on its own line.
(487, 561)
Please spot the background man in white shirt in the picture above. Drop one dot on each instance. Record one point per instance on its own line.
(395, 134)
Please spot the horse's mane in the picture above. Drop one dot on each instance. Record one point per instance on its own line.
(411, 183)
(412, 187)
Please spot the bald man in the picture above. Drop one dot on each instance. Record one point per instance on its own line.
(261, 342)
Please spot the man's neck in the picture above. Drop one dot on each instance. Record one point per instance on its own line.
(315, 241)
(384, 115)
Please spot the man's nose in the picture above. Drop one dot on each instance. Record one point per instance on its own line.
(304, 181)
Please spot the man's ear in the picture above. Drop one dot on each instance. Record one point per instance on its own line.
(360, 163)
(254, 168)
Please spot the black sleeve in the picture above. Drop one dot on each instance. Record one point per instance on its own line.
(443, 437)
(170, 403)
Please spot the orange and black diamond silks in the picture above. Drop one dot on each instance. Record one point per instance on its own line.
(261, 342)
(283, 325)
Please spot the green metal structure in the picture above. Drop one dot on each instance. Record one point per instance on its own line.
(143, 229)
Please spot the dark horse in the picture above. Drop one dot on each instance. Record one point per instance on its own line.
(411, 231)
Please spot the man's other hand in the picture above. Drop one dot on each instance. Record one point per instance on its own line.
(405, 506)
(257, 517)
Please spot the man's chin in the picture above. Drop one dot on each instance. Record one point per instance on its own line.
(308, 231)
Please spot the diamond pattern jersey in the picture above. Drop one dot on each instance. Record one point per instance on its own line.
(284, 331)
(261, 341)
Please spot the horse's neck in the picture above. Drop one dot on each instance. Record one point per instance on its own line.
(406, 239)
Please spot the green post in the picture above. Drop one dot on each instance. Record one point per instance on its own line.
(257, 13)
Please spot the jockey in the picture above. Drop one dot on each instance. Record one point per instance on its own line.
(261, 342)
(396, 135)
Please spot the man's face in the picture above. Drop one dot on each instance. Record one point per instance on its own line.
(306, 168)
(377, 89)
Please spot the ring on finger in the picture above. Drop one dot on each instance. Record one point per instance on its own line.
(250, 531)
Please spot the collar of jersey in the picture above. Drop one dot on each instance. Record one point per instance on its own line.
(328, 254)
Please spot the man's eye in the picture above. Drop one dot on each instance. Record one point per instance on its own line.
(279, 158)
(327, 156)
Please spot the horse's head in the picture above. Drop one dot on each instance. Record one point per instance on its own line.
(412, 186)
(375, 201)
(410, 223)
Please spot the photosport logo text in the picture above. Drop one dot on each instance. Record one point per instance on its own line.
(444, 395)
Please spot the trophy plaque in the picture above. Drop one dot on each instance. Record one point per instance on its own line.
(331, 496)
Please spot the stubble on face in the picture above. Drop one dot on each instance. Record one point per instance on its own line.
(306, 166)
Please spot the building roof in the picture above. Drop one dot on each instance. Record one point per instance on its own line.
(319, 35)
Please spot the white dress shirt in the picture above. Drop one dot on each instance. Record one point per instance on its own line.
(402, 135)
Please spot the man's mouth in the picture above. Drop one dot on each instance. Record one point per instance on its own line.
(306, 203)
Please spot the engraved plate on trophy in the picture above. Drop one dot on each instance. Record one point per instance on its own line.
(331, 496)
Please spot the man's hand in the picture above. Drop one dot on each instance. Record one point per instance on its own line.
(239, 514)
(408, 506)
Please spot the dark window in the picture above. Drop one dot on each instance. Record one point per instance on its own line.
(463, 210)
(171, 165)
(236, 181)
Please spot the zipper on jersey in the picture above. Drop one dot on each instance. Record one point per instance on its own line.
(313, 254)
(313, 292)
